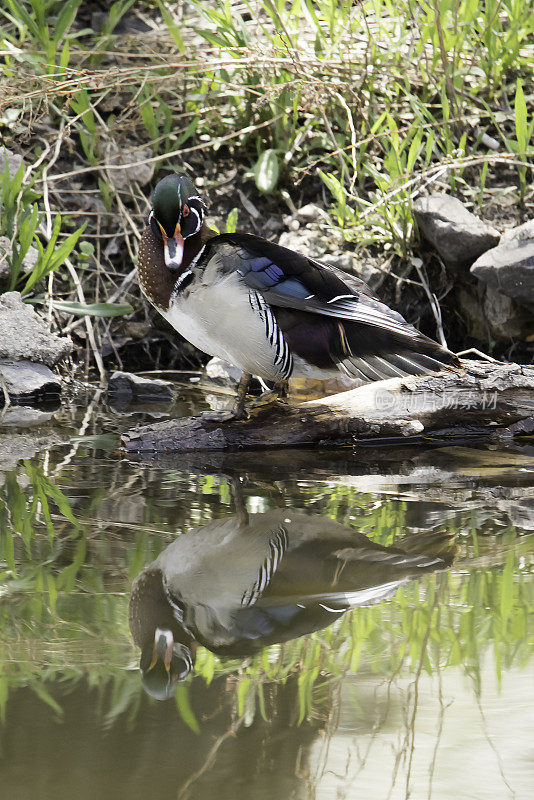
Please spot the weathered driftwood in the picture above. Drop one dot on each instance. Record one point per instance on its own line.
(484, 399)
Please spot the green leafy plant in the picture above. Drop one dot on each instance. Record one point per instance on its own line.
(52, 256)
(387, 212)
(231, 221)
(48, 22)
(157, 119)
(524, 132)
(86, 126)
(105, 310)
(20, 221)
(172, 27)
(267, 171)
(373, 100)
(105, 38)
(344, 214)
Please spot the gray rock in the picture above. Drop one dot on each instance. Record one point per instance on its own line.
(458, 236)
(344, 261)
(310, 213)
(492, 315)
(122, 178)
(129, 23)
(356, 265)
(373, 277)
(520, 233)
(15, 447)
(506, 319)
(306, 242)
(272, 227)
(5, 251)
(509, 268)
(24, 335)
(221, 373)
(218, 402)
(127, 387)
(27, 381)
(24, 417)
(13, 161)
(30, 259)
(471, 310)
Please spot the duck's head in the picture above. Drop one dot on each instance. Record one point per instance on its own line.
(168, 650)
(177, 214)
(164, 663)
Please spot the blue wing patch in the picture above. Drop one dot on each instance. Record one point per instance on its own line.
(293, 288)
(261, 273)
(274, 272)
(258, 263)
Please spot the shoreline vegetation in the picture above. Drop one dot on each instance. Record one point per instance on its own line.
(350, 110)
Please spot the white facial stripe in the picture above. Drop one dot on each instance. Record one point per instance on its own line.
(181, 279)
(199, 221)
(196, 258)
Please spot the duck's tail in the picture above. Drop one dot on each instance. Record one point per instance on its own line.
(442, 544)
(374, 353)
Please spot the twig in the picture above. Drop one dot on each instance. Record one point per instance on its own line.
(81, 431)
(338, 152)
(113, 297)
(449, 85)
(165, 156)
(122, 286)
(434, 304)
(352, 139)
(7, 399)
(46, 202)
(184, 791)
(480, 354)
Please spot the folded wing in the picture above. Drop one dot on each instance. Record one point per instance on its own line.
(329, 318)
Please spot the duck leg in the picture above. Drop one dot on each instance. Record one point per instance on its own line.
(238, 411)
(236, 490)
(242, 411)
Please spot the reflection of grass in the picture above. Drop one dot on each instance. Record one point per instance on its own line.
(65, 586)
(449, 620)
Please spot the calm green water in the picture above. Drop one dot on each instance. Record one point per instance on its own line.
(426, 693)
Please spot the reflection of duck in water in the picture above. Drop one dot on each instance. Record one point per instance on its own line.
(244, 582)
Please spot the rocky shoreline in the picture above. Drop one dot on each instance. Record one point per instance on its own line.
(491, 272)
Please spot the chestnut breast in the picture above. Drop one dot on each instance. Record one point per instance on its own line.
(155, 280)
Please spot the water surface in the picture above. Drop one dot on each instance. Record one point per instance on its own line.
(427, 692)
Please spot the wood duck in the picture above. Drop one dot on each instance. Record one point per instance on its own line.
(247, 581)
(268, 310)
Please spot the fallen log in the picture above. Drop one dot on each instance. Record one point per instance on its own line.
(483, 399)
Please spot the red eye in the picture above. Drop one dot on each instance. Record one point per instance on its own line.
(185, 212)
